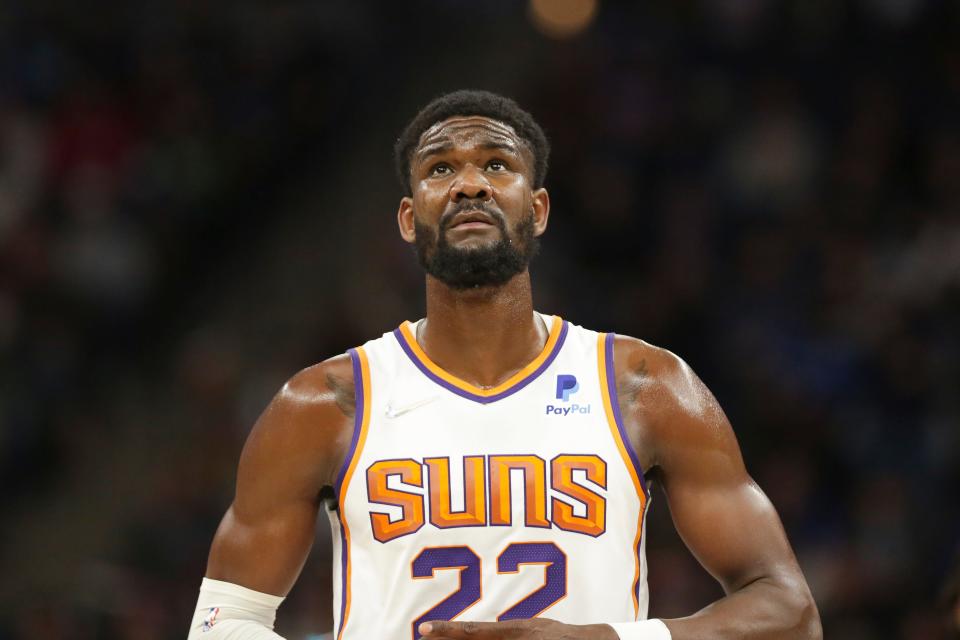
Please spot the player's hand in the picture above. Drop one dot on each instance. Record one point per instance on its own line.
(534, 629)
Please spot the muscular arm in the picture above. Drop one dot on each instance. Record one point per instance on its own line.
(294, 450)
(722, 515)
(685, 441)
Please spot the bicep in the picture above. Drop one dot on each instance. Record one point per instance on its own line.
(724, 518)
(291, 454)
(731, 528)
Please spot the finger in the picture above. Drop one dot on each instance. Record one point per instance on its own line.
(463, 630)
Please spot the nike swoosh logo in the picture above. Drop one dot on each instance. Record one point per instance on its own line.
(393, 412)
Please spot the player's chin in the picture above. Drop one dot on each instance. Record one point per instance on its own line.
(475, 242)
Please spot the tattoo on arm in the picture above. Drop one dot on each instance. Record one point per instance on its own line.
(630, 384)
(343, 394)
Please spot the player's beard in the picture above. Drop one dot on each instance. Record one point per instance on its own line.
(485, 266)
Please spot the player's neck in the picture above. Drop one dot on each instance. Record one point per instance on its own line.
(482, 336)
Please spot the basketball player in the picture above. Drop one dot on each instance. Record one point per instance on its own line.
(487, 470)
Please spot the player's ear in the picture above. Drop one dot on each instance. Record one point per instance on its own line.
(405, 219)
(541, 211)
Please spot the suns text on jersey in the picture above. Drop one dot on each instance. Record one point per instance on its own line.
(421, 492)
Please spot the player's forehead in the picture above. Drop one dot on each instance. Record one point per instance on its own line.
(469, 131)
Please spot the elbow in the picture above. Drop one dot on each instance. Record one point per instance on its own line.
(806, 617)
(810, 628)
(796, 617)
(811, 621)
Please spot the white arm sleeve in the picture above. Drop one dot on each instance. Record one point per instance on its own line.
(644, 630)
(227, 611)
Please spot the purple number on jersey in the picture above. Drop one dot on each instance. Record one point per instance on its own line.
(555, 576)
(460, 558)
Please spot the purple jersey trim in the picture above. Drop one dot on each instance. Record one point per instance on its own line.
(615, 405)
(357, 418)
(357, 425)
(463, 393)
(343, 575)
(643, 536)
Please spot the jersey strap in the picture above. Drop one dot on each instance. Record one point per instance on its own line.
(611, 406)
(361, 383)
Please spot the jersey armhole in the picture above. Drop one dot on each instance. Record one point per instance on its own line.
(608, 384)
(611, 405)
(361, 420)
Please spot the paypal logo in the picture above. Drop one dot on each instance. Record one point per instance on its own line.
(567, 385)
(567, 410)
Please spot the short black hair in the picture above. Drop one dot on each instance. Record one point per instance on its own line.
(471, 102)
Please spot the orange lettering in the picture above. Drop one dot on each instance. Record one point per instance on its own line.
(411, 473)
(562, 467)
(535, 495)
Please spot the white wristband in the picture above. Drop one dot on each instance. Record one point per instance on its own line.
(229, 611)
(643, 630)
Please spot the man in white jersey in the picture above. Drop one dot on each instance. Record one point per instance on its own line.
(490, 466)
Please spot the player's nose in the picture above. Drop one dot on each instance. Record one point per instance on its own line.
(470, 183)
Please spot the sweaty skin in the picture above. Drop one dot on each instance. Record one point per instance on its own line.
(484, 336)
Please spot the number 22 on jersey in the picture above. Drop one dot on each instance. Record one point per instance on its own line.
(469, 564)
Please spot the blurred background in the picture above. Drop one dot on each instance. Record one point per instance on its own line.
(197, 200)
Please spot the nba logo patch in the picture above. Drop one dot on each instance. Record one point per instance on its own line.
(211, 619)
(567, 385)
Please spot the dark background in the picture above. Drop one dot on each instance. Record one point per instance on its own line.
(197, 200)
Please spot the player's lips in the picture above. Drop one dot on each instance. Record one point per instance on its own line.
(471, 220)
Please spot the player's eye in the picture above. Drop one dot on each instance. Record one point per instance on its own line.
(440, 170)
(496, 165)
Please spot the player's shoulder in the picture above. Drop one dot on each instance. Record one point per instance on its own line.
(329, 381)
(316, 399)
(658, 379)
(307, 425)
(636, 357)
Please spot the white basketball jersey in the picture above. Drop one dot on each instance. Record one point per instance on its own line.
(458, 502)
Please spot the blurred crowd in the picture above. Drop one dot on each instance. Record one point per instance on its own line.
(197, 200)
